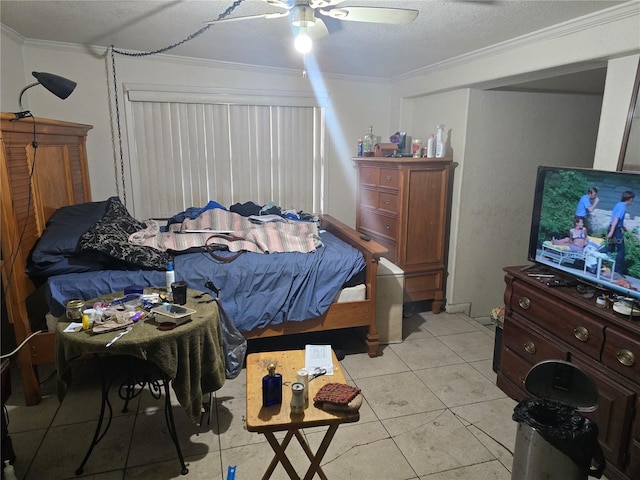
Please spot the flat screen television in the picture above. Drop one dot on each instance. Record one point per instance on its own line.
(599, 262)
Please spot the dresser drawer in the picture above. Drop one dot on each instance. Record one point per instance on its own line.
(389, 178)
(369, 176)
(368, 198)
(529, 345)
(514, 368)
(377, 223)
(563, 321)
(622, 354)
(376, 200)
(388, 202)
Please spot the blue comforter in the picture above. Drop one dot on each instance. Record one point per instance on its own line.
(256, 290)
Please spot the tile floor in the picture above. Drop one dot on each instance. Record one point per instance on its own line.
(431, 412)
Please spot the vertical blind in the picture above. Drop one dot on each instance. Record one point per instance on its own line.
(185, 153)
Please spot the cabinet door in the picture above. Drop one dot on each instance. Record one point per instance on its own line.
(634, 446)
(614, 414)
(426, 217)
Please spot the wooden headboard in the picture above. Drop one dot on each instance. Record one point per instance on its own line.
(43, 166)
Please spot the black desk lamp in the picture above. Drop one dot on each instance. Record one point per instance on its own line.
(59, 86)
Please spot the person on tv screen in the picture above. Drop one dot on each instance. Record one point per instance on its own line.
(615, 235)
(577, 238)
(587, 203)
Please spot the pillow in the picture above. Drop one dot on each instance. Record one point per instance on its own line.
(110, 237)
(62, 233)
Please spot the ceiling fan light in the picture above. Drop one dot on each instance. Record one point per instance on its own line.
(302, 17)
(303, 43)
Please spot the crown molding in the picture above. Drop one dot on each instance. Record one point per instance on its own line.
(101, 52)
(570, 27)
(12, 34)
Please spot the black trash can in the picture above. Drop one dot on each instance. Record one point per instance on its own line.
(553, 441)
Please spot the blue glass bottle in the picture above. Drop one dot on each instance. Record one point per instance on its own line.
(271, 387)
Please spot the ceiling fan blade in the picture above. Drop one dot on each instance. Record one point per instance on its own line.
(323, 3)
(280, 3)
(397, 16)
(318, 30)
(249, 17)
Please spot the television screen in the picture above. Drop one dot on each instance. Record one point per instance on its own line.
(586, 223)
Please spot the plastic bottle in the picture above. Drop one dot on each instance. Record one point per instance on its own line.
(416, 147)
(431, 146)
(271, 387)
(170, 275)
(440, 145)
(368, 142)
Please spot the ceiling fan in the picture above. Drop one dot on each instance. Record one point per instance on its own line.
(303, 15)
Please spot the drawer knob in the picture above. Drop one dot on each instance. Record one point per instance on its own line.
(581, 333)
(524, 303)
(530, 348)
(368, 175)
(388, 202)
(626, 358)
(388, 178)
(388, 227)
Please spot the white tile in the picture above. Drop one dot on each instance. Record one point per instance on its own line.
(457, 385)
(436, 441)
(471, 346)
(361, 365)
(398, 394)
(362, 451)
(426, 353)
(448, 324)
(493, 470)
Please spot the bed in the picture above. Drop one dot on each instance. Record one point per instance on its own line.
(30, 200)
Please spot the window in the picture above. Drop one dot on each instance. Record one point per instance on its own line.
(187, 148)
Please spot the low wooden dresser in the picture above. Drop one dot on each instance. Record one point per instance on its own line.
(543, 323)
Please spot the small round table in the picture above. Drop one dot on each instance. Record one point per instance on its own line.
(190, 357)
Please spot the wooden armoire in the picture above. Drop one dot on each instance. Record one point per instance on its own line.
(405, 205)
(43, 163)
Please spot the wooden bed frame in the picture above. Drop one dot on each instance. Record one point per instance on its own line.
(60, 178)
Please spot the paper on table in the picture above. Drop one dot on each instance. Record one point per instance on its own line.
(73, 327)
(318, 356)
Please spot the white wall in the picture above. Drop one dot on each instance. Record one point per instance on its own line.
(350, 113)
(621, 74)
(508, 136)
(12, 75)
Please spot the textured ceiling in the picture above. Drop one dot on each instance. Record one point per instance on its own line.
(442, 30)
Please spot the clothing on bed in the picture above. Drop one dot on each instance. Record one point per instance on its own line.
(256, 289)
(230, 230)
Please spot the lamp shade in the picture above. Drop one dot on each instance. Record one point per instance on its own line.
(59, 86)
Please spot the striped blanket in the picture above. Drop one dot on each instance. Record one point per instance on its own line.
(228, 229)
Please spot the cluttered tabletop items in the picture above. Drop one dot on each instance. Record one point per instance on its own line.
(120, 311)
(621, 304)
(183, 341)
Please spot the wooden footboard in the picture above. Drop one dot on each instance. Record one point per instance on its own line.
(347, 314)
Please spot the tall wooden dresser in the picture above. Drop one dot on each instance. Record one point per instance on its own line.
(543, 323)
(38, 159)
(404, 204)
